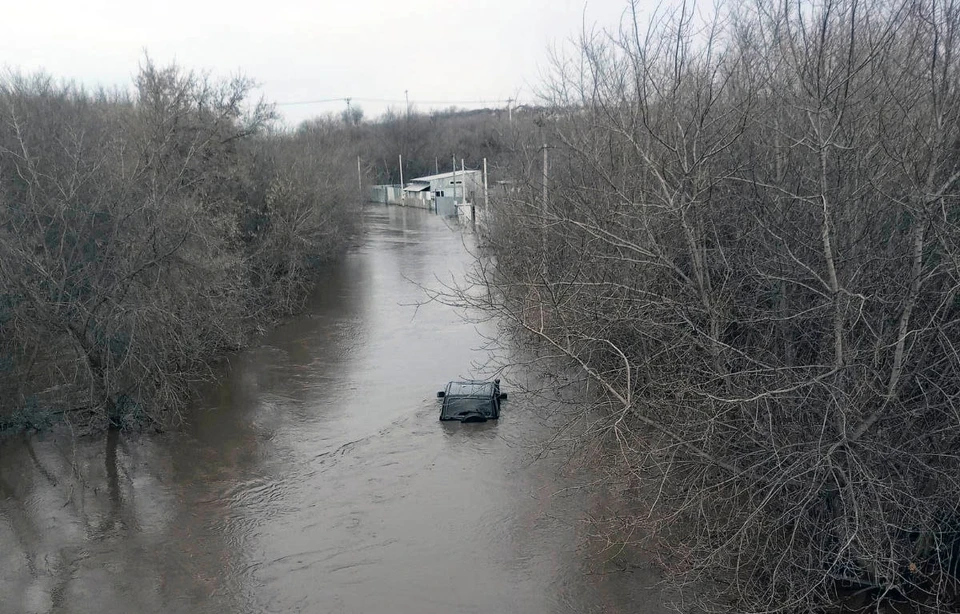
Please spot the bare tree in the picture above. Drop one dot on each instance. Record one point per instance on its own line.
(125, 264)
(749, 247)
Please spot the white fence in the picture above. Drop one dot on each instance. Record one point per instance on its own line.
(386, 194)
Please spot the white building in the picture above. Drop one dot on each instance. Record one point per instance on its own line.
(464, 186)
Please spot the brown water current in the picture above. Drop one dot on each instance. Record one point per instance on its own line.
(315, 476)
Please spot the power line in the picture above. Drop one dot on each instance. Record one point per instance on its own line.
(284, 104)
(389, 100)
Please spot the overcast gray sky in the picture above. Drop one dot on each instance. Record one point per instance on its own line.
(308, 50)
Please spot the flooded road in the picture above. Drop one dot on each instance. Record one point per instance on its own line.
(315, 477)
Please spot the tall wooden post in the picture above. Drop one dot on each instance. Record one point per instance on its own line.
(454, 181)
(543, 212)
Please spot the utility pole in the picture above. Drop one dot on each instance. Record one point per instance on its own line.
(454, 159)
(406, 96)
(401, 175)
(473, 205)
(362, 199)
(545, 163)
(509, 109)
(486, 194)
(543, 230)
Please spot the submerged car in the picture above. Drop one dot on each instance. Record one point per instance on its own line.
(471, 401)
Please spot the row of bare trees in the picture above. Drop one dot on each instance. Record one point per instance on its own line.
(749, 243)
(143, 233)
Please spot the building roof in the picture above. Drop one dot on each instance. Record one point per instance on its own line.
(443, 175)
(416, 188)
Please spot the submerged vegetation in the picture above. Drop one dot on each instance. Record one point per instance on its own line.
(142, 234)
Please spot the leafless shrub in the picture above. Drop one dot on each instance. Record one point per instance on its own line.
(748, 241)
(124, 261)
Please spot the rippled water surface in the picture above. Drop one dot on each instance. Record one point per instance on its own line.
(316, 477)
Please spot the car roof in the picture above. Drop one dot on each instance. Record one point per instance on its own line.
(470, 389)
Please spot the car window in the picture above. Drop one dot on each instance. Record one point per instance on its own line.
(455, 406)
(470, 389)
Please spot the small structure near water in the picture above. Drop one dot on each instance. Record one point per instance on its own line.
(445, 193)
(464, 186)
(451, 194)
(441, 192)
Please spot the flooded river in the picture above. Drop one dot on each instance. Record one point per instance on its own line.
(315, 477)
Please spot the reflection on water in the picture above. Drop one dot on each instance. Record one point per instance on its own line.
(316, 477)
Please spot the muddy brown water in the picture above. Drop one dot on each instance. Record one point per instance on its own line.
(315, 477)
